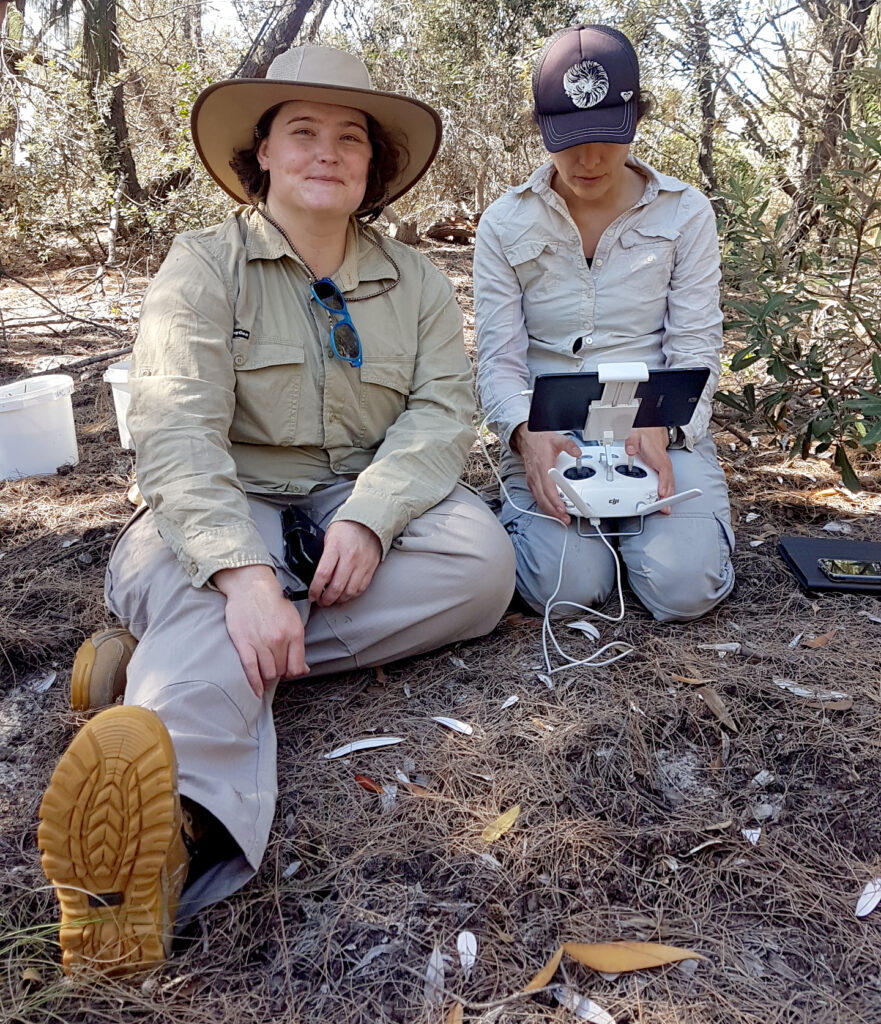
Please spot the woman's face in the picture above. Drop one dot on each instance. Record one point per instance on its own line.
(317, 155)
(591, 172)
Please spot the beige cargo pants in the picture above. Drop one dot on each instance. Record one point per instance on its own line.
(449, 576)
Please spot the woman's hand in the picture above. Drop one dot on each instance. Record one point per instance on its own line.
(540, 451)
(264, 626)
(650, 444)
(351, 554)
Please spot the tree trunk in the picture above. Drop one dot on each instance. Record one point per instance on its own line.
(191, 27)
(842, 36)
(317, 18)
(102, 50)
(11, 53)
(274, 38)
(705, 78)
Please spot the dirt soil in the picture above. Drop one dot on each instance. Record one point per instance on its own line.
(633, 793)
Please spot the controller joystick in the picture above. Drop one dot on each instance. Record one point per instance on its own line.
(579, 472)
(634, 472)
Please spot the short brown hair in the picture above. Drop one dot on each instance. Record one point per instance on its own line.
(389, 157)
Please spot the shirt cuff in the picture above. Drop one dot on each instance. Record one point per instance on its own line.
(225, 547)
(378, 512)
(687, 442)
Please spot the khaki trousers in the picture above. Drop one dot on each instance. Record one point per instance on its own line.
(449, 576)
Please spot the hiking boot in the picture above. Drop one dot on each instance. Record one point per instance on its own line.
(110, 837)
(98, 676)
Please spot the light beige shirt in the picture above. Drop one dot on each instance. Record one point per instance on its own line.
(651, 294)
(235, 390)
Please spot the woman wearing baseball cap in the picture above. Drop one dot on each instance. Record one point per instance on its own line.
(599, 258)
(301, 406)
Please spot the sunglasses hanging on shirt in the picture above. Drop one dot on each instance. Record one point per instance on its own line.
(344, 339)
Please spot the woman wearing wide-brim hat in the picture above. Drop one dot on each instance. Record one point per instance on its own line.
(599, 258)
(301, 408)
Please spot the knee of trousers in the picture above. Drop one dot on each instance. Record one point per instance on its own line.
(588, 569)
(488, 577)
(684, 584)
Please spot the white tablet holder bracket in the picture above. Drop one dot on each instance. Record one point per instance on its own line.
(604, 482)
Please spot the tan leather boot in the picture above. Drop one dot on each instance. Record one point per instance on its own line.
(99, 668)
(110, 836)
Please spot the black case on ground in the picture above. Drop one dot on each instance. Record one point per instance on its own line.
(801, 554)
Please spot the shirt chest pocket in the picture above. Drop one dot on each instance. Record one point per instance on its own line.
(536, 263)
(650, 252)
(269, 377)
(386, 383)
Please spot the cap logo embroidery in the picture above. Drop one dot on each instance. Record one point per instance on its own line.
(586, 83)
(627, 95)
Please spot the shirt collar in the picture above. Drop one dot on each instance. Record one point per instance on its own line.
(540, 181)
(362, 261)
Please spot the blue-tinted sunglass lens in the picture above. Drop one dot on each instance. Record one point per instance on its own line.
(328, 293)
(346, 340)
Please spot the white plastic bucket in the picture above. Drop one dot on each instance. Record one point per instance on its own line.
(116, 376)
(37, 434)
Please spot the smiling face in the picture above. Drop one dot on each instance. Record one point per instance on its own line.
(593, 172)
(317, 155)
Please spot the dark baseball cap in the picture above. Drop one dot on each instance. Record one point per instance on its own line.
(586, 87)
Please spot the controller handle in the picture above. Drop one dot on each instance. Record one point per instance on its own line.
(571, 493)
(674, 499)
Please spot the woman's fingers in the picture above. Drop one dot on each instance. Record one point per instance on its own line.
(352, 552)
(296, 662)
(251, 666)
(323, 572)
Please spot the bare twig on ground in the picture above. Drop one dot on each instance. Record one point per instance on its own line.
(59, 309)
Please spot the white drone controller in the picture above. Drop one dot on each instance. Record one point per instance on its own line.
(604, 482)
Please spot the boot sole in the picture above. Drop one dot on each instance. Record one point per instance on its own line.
(107, 822)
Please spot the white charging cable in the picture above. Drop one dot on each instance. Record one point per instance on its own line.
(547, 629)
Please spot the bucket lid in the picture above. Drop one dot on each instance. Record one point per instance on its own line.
(117, 373)
(34, 391)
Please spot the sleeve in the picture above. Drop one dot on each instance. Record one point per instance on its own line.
(423, 452)
(502, 338)
(182, 404)
(693, 323)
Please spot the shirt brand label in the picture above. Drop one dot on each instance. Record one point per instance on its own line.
(240, 332)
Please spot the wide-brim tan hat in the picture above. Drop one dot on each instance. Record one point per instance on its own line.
(225, 114)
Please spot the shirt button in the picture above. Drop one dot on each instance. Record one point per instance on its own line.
(650, 259)
(192, 568)
(599, 262)
(239, 359)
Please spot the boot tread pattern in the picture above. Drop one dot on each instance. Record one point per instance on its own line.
(108, 819)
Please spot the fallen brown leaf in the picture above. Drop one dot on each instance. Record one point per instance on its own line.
(455, 1015)
(693, 681)
(519, 619)
(365, 782)
(546, 973)
(501, 825)
(715, 703)
(615, 957)
(820, 641)
(831, 705)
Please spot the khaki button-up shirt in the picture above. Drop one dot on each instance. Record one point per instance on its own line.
(235, 390)
(651, 294)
